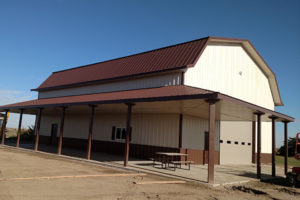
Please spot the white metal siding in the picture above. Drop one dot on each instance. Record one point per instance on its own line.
(193, 132)
(230, 70)
(266, 137)
(146, 82)
(157, 130)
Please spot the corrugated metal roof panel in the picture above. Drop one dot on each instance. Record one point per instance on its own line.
(162, 59)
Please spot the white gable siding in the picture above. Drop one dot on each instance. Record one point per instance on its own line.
(229, 69)
(130, 84)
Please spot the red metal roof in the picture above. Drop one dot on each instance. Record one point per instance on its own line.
(163, 59)
(113, 97)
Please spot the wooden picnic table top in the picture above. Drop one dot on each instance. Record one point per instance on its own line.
(171, 154)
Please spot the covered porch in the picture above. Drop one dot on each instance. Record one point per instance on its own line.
(182, 100)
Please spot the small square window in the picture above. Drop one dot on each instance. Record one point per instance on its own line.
(221, 141)
(243, 143)
(236, 142)
(249, 144)
(228, 142)
(120, 133)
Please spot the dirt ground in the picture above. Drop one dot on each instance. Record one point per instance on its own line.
(30, 175)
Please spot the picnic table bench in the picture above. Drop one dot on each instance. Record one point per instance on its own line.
(167, 158)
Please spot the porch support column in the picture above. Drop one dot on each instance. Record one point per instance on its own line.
(37, 129)
(61, 130)
(258, 157)
(180, 132)
(286, 146)
(89, 145)
(4, 126)
(253, 140)
(273, 144)
(211, 139)
(128, 132)
(19, 127)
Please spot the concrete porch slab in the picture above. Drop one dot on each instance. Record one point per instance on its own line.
(224, 174)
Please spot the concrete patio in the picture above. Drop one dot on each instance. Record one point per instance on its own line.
(224, 174)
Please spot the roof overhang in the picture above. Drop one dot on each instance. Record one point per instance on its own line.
(169, 99)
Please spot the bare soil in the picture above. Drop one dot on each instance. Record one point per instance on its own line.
(23, 164)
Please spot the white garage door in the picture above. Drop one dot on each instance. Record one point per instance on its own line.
(236, 143)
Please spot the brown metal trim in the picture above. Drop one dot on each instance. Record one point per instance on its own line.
(253, 141)
(180, 132)
(211, 145)
(286, 146)
(37, 129)
(4, 127)
(258, 144)
(273, 144)
(89, 145)
(61, 130)
(19, 128)
(128, 132)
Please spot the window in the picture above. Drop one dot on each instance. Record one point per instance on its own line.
(228, 142)
(221, 141)
(236, 142)
(119, 134)
(249, 144)
(243, 143)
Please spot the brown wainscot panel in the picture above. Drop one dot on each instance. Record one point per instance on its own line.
(135, 150)
(199, 156)
(265, 157)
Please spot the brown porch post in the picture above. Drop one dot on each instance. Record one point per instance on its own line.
(211, 140)
(273, 144)
(258, 157)
(253, 140)
(89, 145)
(19, 127)
(37, 129)
(180, 132)
(128, 131)
(61, 130)
(286, 146)
(4, 127)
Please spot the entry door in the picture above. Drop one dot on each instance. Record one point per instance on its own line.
(54, 128)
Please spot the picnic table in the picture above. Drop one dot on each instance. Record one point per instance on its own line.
(167, 158)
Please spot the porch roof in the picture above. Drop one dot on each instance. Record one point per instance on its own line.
(230, 107)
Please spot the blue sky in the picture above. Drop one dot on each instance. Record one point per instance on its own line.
(38, 37)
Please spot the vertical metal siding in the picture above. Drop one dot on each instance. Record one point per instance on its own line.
(148, 129)
(193, 130)
(146, 82)
(218, 70)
